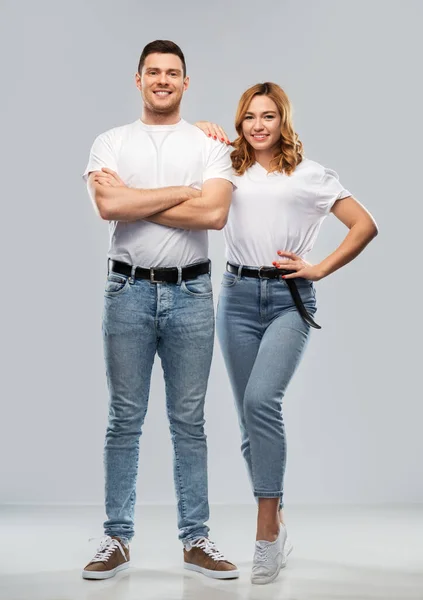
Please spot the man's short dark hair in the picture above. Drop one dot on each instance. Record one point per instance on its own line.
(162, 47)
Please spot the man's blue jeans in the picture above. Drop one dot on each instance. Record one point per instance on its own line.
(262, 337)
(177, 321)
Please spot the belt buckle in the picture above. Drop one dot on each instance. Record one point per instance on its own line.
(152, 280)
(259, 272)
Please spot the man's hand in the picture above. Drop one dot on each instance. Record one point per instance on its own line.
(193, 193)
(108, 178)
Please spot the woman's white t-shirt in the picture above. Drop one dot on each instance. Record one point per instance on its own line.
(274, 211)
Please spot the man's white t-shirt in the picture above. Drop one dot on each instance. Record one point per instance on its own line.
(274, 211)
(155, 156)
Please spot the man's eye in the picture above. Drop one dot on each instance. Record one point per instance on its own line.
(174, 74)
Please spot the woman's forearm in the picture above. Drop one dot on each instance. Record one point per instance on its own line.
(357, 239)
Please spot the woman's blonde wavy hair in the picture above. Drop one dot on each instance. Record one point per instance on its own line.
(290, 151)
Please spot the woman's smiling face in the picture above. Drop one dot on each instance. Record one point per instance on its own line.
(262, 124)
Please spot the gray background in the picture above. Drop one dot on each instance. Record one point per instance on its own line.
(354, 409)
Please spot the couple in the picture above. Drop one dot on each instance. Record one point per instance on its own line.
(162, 183)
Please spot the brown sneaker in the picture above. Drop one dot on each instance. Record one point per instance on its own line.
(112, 556)
(203, 556)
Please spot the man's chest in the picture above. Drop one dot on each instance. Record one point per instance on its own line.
(160, 161)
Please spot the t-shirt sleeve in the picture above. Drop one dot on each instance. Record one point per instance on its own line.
(102, 154)
(219, 164)
(329, 190)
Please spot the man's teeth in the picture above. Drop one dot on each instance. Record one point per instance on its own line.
(162, 93)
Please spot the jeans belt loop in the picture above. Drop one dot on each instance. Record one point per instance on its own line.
(179, 276)
(239, 272)
(132, 277)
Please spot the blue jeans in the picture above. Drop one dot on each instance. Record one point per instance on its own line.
(262, 337)
(176, 321)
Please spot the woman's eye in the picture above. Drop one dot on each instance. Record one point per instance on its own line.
(248, 118)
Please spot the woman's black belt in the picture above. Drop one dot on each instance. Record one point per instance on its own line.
(274, 273)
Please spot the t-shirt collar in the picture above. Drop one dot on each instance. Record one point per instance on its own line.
(153, 128)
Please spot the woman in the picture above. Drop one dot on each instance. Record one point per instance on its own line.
(267, 299)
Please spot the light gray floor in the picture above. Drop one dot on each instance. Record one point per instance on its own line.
(349, 553)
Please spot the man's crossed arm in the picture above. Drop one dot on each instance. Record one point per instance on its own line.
(181, 207)
(115, 201)
(208, 211)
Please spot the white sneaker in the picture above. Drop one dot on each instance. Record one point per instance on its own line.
(270, 558)
(287, 549)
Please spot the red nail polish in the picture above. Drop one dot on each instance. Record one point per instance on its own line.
(214, 137)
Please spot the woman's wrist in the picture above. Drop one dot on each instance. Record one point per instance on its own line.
(322, 270)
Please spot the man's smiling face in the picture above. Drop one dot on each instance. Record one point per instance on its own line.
(162, 82)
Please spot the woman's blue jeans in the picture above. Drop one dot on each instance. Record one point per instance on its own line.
(262, 337)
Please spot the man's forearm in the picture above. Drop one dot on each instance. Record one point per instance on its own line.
(208, 211)
(122, 203)
(192, 214)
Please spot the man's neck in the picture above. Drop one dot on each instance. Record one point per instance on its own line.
(153, 118)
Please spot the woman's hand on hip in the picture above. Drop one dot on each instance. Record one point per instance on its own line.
(213, 130)
(300, 267)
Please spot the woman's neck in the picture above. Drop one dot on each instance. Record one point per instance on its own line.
(264, 158)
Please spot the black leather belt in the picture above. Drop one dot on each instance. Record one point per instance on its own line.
(274, 273)
(161, 274)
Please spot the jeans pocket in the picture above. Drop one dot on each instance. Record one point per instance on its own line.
(229, 279)
(201, 287)
(115, 284)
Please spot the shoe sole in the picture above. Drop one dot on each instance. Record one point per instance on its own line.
(105, 574)
(288, 548)
(212, 574)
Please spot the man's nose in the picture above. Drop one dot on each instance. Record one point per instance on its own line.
(163, 79)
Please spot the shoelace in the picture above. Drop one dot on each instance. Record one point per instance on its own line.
(107, 546)
(261, 554)
(209, 548)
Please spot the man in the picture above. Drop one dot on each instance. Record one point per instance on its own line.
(142, 178)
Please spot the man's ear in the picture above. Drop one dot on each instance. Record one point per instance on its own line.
(186, 83)
(138, 81)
